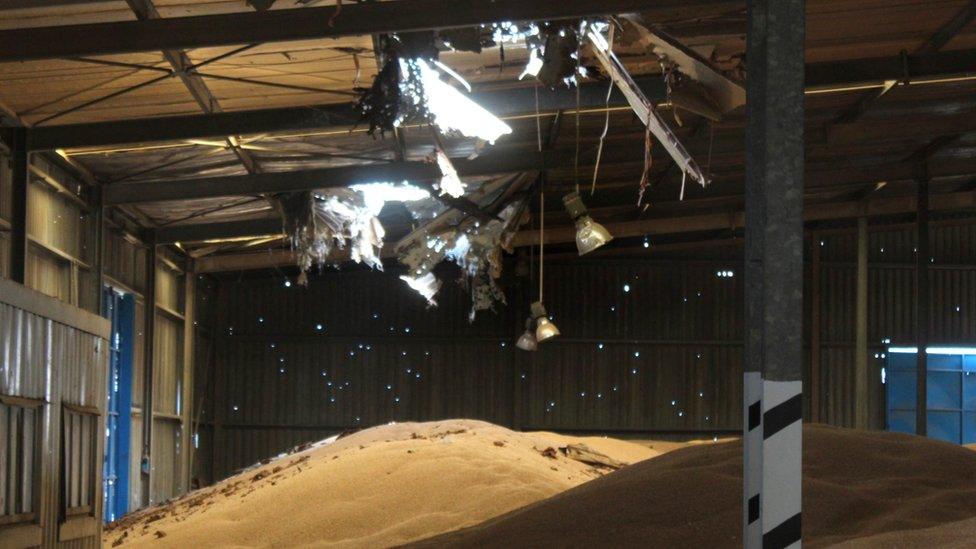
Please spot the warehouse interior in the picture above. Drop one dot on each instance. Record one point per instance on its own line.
(231, 230)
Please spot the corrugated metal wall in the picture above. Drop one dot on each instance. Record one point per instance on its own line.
(167, 478)
(60, 364)
(59, 264)
(201, 459)
(61, 233)
(891, 314)
(646, 346)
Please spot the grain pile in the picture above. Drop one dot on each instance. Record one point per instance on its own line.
(954, 535)
(856, 484)
(379, 487)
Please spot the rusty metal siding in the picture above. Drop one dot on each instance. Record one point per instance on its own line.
(59, 363)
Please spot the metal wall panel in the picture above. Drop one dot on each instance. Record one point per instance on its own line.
(167, 365)
(891, 311)
(58, 223)
(48, 273)
(124, 261)
(135, 462)
(138, 356)
(4, 255)
(61, 364)
(166, 460)
(169, 289)
(632, 387)
(23, 353)
(6, 183)
(293, 364)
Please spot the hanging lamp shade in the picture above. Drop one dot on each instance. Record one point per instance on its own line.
(590, 235)
(545, 329)
(527, 341)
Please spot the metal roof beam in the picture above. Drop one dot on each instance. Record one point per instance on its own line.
(291, 24)
(503, 102)
(500, 102)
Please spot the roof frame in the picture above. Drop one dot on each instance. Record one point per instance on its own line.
(290, 24)
(501, 102)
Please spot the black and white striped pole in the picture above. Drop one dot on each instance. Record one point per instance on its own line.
(773, 357)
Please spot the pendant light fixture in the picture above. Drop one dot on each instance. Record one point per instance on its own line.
(544, 328)
(590, 235)
(527, 341)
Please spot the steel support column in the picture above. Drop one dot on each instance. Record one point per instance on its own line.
(922, 260)
(149, 341)
(98, 237)
(773, 358)
(814, 392)
(861, 410)
(189, 355)
(16, 139)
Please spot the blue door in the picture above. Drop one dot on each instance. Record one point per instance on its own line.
(120, 309)
(950, 390)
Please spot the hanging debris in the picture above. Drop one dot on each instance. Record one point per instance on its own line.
(472, 245)
(426, 285)
(409, 89)
(553, 53)
(320, 222)
(697, 85)
(644, 109)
